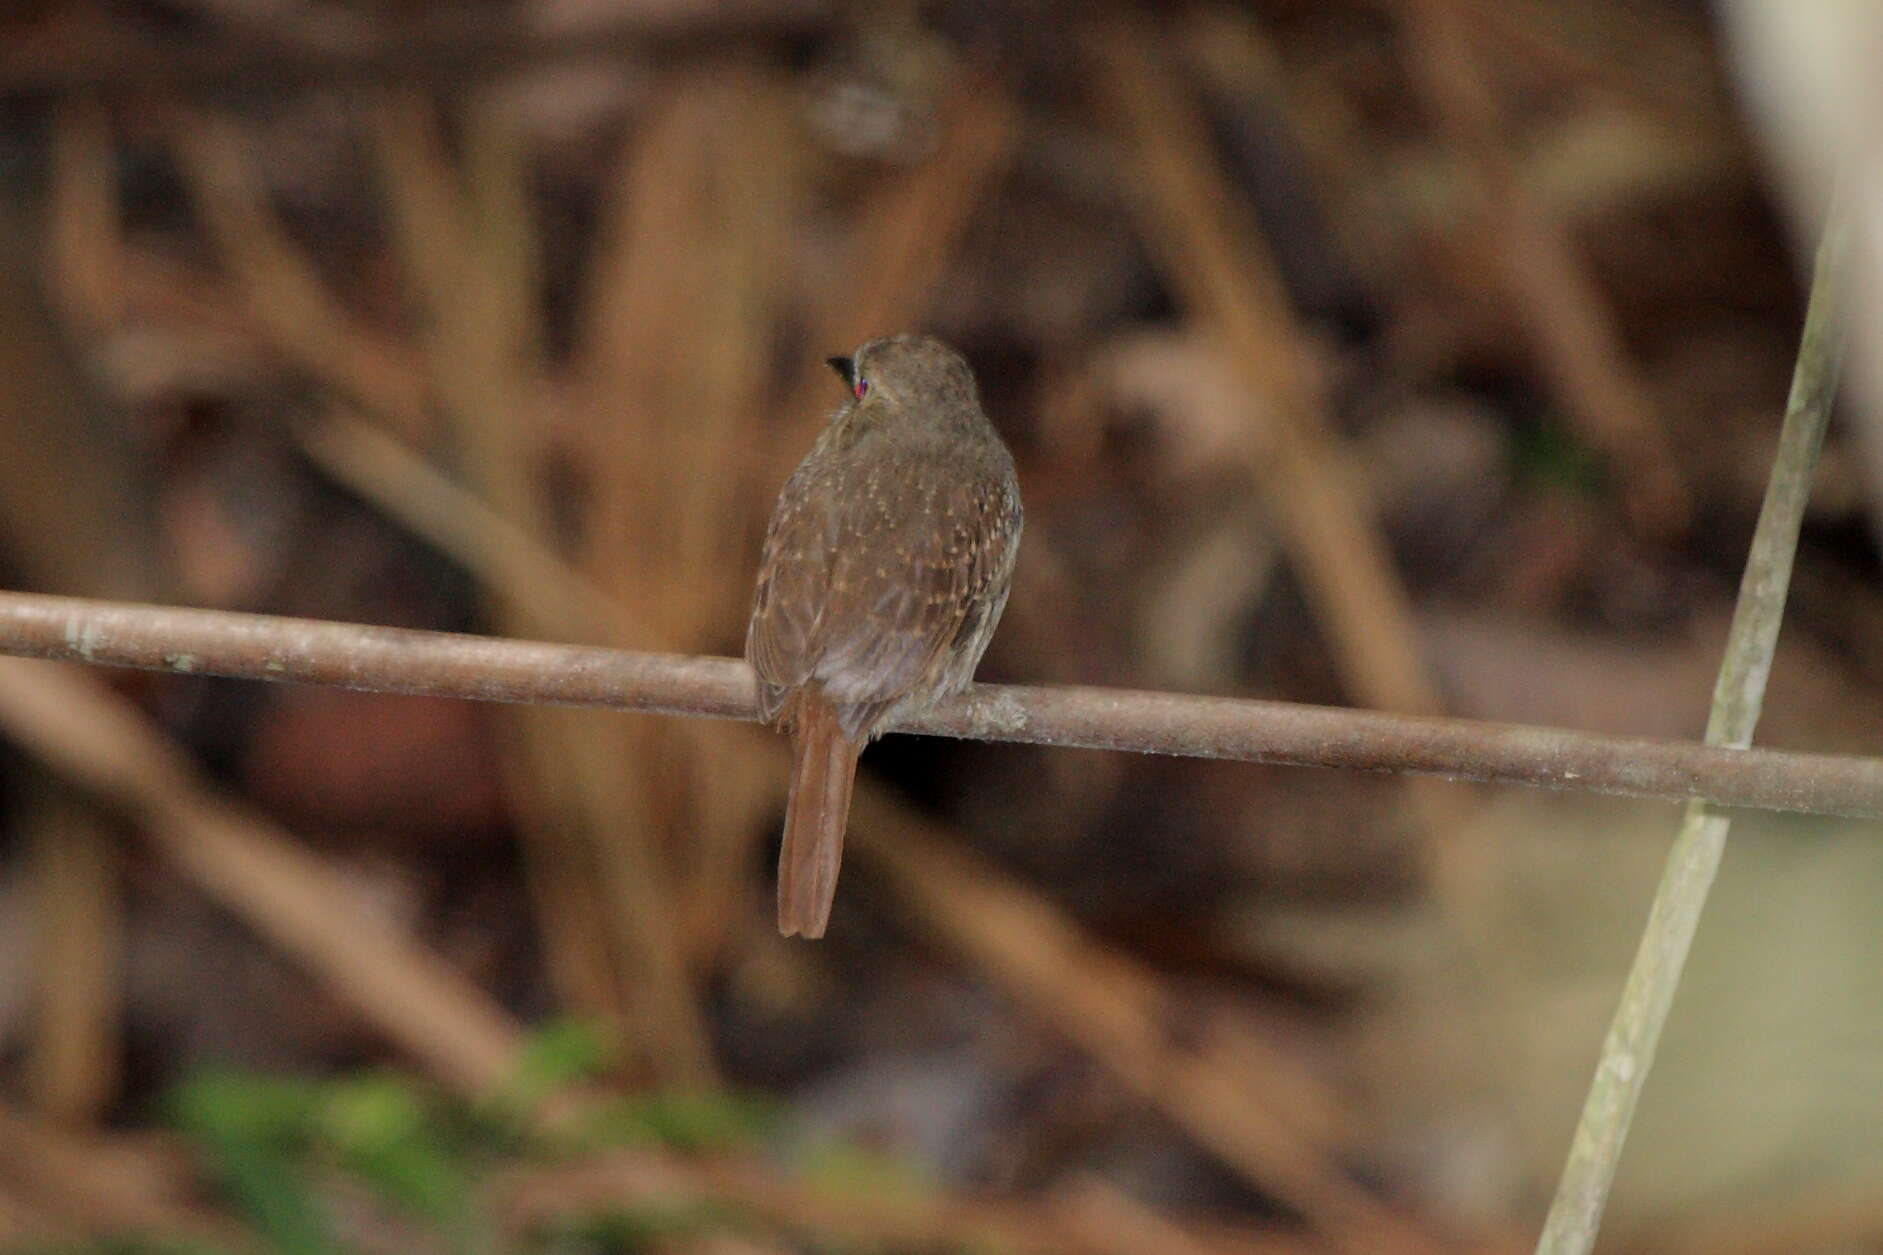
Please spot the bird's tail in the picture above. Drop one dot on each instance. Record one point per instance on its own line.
(823, 768)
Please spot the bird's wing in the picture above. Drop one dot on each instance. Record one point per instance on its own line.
(781, 640)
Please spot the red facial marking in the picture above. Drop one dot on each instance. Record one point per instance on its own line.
(860, 387)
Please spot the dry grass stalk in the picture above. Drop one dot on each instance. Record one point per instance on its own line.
(907, 237)
(73, 1054)
(382, 379)
(1211, 255)
(96, 740)
(303, 321)
(1214, 257)
(1275, 1127)
(72, 1058)
(428, 503)
(1095, 1209)
(66, 473)
(84, 239)
(1653, 59)
(81, 1187)
(675, 349)
(526, 1198)
(598, 882)
(674, 361)
(1547, 289)
(429, 229)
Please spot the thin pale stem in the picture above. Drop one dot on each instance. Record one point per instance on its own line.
(1628, 1051)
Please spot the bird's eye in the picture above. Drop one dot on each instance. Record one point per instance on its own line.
(860, 387)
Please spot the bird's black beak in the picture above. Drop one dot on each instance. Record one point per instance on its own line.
(845, 367)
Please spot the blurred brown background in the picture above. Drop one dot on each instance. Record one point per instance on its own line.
(1422, 354)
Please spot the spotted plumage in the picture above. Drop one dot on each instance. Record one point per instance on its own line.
(885, 571)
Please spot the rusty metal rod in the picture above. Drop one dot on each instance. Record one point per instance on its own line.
(442, 664)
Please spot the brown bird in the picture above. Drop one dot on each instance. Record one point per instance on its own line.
(886, 567)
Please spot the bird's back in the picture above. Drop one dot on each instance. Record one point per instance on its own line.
(885, 569)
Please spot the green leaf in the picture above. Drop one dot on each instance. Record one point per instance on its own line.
(381, 1129)
(255, 1130)
(686, 1121)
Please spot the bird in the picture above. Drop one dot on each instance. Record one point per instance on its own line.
(885, 569)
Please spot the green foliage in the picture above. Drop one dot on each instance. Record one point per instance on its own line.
(255, 1130)
(1547, 455)
(384, 1131)
(276, 1146)
(634, 1229)
(559, 1054)
(691, 1121)
(846, 1168)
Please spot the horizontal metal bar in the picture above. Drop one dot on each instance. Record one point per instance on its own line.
(394, 660)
